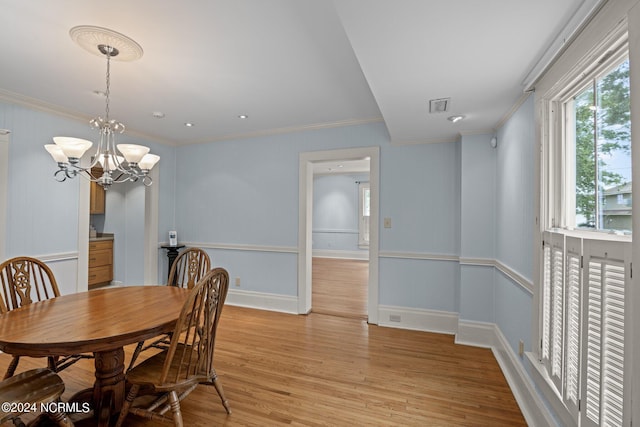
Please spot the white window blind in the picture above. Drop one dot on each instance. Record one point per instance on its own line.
(603, 387)
(572, 308)
(553, 307)
(583, 319)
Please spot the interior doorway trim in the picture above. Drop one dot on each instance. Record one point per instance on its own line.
(4, 185)
(305, 222)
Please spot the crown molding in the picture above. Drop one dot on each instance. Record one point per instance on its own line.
(39, 105)
(285, 130)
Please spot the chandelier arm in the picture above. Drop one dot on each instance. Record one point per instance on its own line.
(125, 177)
(61, 175)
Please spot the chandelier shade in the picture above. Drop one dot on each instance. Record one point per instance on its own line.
(121, 162)
(133, 153)
(56, 152)
(73, 148)
(148, 161)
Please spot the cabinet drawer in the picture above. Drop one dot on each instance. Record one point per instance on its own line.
(100, 257)
(100, 245)
(100, 274)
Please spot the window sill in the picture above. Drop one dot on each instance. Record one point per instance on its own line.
(593, 235)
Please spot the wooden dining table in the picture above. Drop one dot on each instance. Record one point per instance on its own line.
(101, 322)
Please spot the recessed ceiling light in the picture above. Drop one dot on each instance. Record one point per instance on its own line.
(455, 119)
(189, 124)
(158, 114)
(243, 116)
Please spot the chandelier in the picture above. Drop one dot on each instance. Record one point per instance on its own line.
(119, 162)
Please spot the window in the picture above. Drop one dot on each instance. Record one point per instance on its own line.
(598, 147)
(364, 209)
(585, 258)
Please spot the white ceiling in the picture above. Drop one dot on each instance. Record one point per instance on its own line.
(287, 64)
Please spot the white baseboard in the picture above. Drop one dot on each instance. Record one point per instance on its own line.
(263, 301)
(476, 334)
(443, 322)
(480, 334)
(326, 253)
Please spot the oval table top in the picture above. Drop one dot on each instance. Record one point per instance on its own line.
(93, 321)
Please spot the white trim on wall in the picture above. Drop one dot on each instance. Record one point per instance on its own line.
(240, 247)
(82, 281)
(489, 335)
(442, 322)
(419, 255)
(4, 184)
(151, 197)
(336, 254)
(263, 301)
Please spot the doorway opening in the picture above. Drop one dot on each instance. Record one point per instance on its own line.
(305, 239)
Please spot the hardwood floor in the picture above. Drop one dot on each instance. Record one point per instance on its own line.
(319, 370)
(339, 287)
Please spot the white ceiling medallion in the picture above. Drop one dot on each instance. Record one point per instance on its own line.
(88, 37)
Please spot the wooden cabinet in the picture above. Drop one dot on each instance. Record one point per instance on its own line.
(96, 198)
(100, 262)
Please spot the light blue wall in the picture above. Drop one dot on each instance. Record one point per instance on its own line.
(336, 211)
(515, 223)
(245, 192)
(515, 188)
(439, 197)
(477, 228)
(478, 198)
(42, 214)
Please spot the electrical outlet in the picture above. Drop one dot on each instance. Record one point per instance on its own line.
(521, 348)
(237, 281)
(387, 223)
(395, 318)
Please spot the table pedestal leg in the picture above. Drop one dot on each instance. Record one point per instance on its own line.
(109, 388)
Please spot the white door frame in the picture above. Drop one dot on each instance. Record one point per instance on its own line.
(4, 186)
(305, 222)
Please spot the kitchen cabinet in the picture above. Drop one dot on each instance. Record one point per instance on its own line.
(100, 262)
(97, 195)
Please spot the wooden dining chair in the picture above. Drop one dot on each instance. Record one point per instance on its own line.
(188, 362)
(188, 268)
(25, 392)
(24, 280)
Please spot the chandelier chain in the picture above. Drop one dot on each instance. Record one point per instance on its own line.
(109, 50)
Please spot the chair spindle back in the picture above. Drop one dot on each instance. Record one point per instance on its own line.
(189, 267)
(25, 280)
(194, 336)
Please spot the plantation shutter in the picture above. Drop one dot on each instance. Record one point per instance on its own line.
(553, 306)
(572, 336)
(606, 276)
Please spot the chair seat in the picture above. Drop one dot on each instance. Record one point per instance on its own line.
(34, 386)
(145, 374)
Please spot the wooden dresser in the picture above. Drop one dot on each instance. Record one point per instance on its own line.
(100, 262)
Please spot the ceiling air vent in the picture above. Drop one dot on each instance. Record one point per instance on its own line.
(440, 105)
